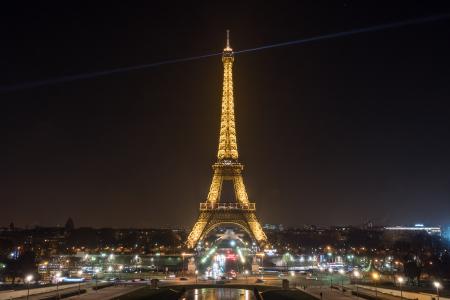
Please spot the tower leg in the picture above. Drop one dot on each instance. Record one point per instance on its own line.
(256, 229)
(215, 188)
(239, 189)
(197, 230)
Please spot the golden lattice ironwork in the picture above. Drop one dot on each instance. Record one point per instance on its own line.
(214, 213)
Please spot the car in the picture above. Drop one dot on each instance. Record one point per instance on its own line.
(259, 280)
(183, 278)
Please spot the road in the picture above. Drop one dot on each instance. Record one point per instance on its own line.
(108, 293)
(54, 292)
(317, 288)
(102, 294)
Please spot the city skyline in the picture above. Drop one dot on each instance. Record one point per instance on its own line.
(339, 132)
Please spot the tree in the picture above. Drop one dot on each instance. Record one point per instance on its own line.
(21, 267)
(412, 271)
(444, 266)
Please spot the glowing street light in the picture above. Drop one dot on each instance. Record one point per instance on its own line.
(262, 254)
(96, 280)
(437, 285)
(196, 276)
(80, 272)
(120, 270)
(58, 276)
(376, 277)
(400, 283)
(330, 270)
(342, 272)
(357, 275)
(183, 255)
(28, 279)
(246, 276)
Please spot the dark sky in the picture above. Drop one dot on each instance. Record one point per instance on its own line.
(339, 131)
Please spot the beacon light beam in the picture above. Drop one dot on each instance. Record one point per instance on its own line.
(69, 78)
(351, 32)
(51, 81)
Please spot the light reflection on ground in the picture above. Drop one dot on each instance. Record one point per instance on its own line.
(219, 293)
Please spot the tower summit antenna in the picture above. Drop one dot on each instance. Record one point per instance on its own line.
(228, 48)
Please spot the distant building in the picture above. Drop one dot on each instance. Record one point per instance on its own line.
(446, 233)
(273, 227)
(70, 225)
(416, 228)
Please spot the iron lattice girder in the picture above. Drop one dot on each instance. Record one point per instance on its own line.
(209, 220)
(212, 212)
(228, 169)
(204, 206)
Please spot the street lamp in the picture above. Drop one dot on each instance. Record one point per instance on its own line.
(28, 280)
(120, 271)
(196, 276)
(136, 261)
(330, 270)
(80, 272)
(400, 283)
(183, 255)
(262, 254)
(342, 272)
(262, 264)
(57, 275)
(292, 273)
(376, 277)
(157, 261)
(437, 285)
(356, 274)
(96, 280)
(246, 276)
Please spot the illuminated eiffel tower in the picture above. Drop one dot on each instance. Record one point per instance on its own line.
(214, 213)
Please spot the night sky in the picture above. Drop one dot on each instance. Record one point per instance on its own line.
(338, 131)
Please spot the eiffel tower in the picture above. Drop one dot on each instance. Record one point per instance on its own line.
(214, 213)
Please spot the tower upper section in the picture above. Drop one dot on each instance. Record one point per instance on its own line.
(227, 140)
